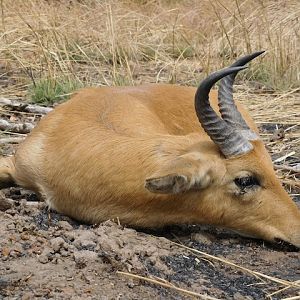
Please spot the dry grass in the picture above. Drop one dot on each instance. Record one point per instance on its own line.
(164, 283)
(272, 111)
(128, 42)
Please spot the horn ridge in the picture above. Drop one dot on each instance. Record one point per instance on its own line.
(230, 141)
(228, 109)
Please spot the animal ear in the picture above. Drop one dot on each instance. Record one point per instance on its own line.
(168, 184)
(191, 171)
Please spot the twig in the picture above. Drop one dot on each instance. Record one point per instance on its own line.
(28, 277)
(295, 169)
(281, 290)
(13, 133)
(286, 94)
(292, 183)
(166, 284)
(31, 108)
(11, 140)
(292, 298)
(16, 127)
(284, 157)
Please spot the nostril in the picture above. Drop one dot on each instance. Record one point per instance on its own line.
(285, 246)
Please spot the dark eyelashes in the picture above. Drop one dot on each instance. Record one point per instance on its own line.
(246, 182)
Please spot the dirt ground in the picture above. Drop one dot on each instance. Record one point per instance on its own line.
(49, 256)
(44, 255)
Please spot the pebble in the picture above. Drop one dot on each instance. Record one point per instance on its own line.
(11, 226)
(57, 243)
(203, 238)
(83, 257)
(25, 236)
(131, 284)
(85, 239)
(27, 296)
(4, 203)
(64, 253)
(11, 211)
(239, 296)
(65, 225)
(44, 257)
(88, 244)
(69, 235)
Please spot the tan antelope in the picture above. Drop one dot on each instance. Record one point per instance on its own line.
(139, 154)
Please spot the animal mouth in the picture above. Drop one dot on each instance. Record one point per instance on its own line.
(285, 246)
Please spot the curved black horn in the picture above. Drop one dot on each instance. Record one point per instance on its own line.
(228, 109)
(230, 141)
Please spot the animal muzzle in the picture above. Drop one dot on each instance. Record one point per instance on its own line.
(295, 239)
(290, 237)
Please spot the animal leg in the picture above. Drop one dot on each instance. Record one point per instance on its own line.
(7, 171)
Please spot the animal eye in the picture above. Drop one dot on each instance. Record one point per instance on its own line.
(246, 182)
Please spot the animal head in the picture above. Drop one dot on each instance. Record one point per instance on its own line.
(229, 180)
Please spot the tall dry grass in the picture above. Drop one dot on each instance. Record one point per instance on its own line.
(132, 41)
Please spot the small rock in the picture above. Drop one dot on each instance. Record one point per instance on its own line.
(25, 227)
(57, 261)
(64, 253)
(42, 234)
(25, 236)
(41, 240)
(11, 226)
(44, 257)
(83, 257)
(203, 238)
(86, 244)
(85, 239)
(69, 235)
(57, 243)
(239, 296)
(41, 292)
(5, 251)
(65, 225)
(131, 284)
(151, 250)
(278, 134)
(11, 211)
(5, 204)
(27, 296)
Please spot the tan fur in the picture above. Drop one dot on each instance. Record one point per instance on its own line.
(139, 154)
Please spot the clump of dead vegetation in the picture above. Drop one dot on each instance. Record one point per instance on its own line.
(124, 42)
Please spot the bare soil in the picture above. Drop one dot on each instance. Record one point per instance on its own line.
(49, 256)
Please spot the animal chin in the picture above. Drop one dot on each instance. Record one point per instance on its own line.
(280, 242)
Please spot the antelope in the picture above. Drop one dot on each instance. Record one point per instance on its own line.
(140, 155)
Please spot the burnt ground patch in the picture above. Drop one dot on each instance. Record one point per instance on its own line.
(47, 218)
(277, 260)
(228, 282)
(56, 244)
